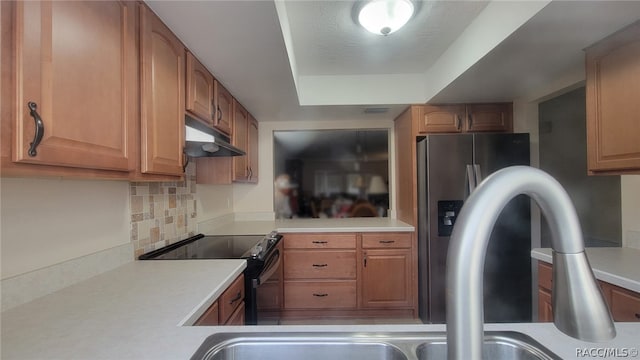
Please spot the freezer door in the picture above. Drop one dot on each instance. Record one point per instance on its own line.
(442, 164)
(507, 273)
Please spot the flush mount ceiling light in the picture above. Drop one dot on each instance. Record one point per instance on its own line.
(383, 17)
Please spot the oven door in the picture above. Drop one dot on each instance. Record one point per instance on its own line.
(259, 283)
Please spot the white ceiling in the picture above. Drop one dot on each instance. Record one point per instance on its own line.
(308, 60)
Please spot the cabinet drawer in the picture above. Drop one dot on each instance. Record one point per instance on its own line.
(320, 295)
(237, 318)
(386, 240)
(545, 275)
(625, 305)
(305, 264)
(231, 298)
(320, 241)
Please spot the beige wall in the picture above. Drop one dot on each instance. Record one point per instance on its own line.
(49, 221)
(631, 210)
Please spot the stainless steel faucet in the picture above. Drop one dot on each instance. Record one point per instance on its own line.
(579, 308)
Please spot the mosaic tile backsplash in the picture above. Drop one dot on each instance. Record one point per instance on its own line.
(162, 213)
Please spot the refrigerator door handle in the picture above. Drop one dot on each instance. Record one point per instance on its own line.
(478, 174)
(470, 182)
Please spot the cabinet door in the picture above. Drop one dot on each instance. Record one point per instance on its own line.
(224, 108)
(239, 139)
(625, 304)
(162, 97)
(613, 89)
(199, 91)
(441, 119)
(77, 62)
(386, 278)
(545, 307)
(210, 317)
(252, 149)
(489, 118)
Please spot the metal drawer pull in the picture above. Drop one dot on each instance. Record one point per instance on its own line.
(320, 265)
(320, 295)
(319, 242)
(387, 241)
(37, 137)
(236, 298)
(637, 316)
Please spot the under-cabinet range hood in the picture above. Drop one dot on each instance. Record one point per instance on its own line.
(201, 141)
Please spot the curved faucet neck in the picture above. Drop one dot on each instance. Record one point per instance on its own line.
(467, 250)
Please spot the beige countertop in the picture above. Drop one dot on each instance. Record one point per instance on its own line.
(618, 266)
(305, 225)
(136, 312)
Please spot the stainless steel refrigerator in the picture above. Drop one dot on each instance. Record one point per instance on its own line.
(449, 168)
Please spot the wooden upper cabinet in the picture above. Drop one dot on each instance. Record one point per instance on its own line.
(239, 140)
(442, 119)
(200, 100)
(456, 118)
(76, 62)
(252, 149)
(613, 109)
(224, 108)
(489, 117)
(162, 96)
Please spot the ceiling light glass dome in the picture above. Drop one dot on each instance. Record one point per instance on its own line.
(383, 17)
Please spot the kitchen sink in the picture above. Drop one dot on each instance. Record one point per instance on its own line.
(355, 346)
(496, 346)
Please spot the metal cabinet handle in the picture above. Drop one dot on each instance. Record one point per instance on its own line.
(470, 120)
(458, 122)
(319, 242)
(219, 113)
(185, 161)
(320, 295)
(320, 265)
(637, 315)
(37, 137)
(236, 298)
(387, 241)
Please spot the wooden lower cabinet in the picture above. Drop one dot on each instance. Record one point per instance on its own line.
(320, 294)
(228, 309)
(387, 265)
(545, 306)
(237, 318)
(347, 275)
(624, 304)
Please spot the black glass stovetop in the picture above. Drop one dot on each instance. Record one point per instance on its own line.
(207, 247)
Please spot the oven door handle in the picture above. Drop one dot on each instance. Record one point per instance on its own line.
(272, 265)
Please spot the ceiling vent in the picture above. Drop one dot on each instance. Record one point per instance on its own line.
(376, 110)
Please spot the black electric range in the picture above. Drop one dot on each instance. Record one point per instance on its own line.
(260, 251)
